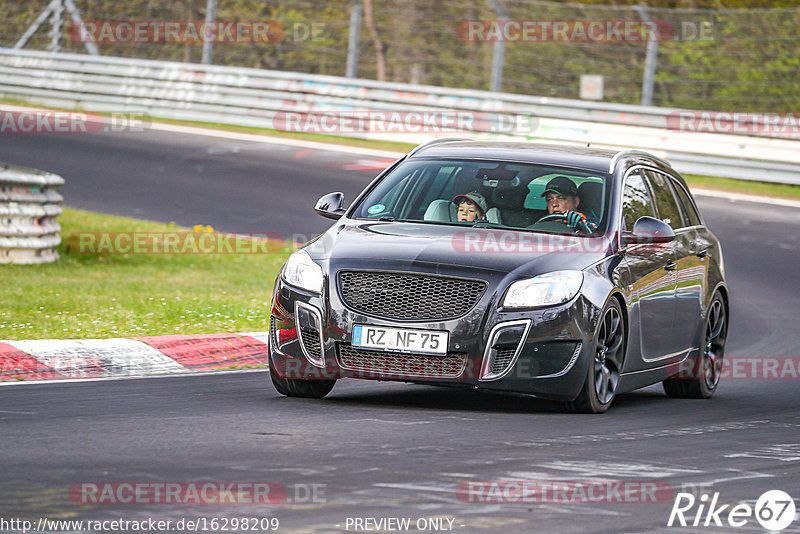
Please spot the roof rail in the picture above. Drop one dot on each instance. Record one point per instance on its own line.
(621, 153)
(434, 142)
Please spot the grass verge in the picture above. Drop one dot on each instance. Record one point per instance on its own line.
(134, 295)
(746, 187)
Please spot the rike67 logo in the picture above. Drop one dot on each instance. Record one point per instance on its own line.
(774, 510)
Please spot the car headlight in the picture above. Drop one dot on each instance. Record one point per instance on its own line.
(301, 271)
(544, 290)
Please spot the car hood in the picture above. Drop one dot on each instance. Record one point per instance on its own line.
(491, 249)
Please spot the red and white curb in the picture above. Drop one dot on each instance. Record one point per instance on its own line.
(68, 359)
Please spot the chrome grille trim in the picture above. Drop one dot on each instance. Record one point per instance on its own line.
(488, 371)
(408, 296)
(310, 339)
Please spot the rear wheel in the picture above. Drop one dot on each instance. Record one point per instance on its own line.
(705, 371)
(606, 365)
(292, 387)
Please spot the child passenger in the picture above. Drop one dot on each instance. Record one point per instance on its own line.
(471, 207)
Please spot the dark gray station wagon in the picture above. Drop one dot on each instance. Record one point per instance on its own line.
(571, 274)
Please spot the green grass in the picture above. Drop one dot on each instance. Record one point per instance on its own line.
(744, 186)
(134, 295)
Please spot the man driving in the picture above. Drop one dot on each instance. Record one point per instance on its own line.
(561, 195)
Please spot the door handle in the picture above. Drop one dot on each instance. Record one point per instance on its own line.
(670, 266)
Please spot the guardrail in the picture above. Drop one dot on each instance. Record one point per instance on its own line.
(29, 205)
(262, 98)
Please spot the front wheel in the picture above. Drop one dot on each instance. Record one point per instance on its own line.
(292, 387)
(704, 372)
(606, 365)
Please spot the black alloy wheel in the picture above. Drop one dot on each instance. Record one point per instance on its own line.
(705, 370)
(606, 365)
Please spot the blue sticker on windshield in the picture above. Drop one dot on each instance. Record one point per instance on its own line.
(377, 208)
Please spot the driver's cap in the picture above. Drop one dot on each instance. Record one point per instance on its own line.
(561, 185)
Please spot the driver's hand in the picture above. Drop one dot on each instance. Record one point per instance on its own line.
(577, 220)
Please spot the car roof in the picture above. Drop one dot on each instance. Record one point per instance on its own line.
(594, 159)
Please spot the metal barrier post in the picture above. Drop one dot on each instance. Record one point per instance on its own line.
(29, 205)
(355, 35)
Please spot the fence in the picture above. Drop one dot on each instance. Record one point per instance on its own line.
(263, 98)
(29, 205)
(718, 59)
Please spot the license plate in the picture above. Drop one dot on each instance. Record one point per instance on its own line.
(400, 339)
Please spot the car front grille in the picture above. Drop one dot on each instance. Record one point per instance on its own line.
(310, 340)
(406, 296)
(502, 360)
(377, 363)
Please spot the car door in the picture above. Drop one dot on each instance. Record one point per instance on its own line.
(693, 275)
(652, 284)
(690, 268)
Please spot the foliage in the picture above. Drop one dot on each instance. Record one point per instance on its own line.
(748, 59)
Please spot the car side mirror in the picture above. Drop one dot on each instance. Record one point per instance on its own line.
(331, 205)
(648, 230)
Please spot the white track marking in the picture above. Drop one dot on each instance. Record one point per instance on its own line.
(260, 336)
(785, 452)
(618, 469)
(109, 357)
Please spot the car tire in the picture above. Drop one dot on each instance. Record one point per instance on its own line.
(292, 387)
(608, 355)
(705, 370)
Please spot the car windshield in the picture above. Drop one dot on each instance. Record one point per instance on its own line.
(488, 193)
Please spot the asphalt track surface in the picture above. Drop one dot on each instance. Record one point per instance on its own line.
(375, 449)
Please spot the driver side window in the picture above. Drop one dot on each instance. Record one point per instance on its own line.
(636, 201)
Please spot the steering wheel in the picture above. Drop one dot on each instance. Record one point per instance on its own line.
(552, 217)
(559, 218)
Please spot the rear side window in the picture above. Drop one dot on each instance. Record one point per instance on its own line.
(667, 206)
(693, 218)
(636, 201)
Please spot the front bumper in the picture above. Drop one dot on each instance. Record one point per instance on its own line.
(543, 352)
